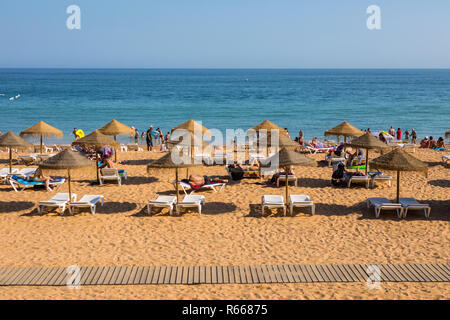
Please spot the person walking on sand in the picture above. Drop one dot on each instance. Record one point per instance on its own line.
(413, 136)
(399, 134)
(392, 131)
(149, 138)
(407, 135)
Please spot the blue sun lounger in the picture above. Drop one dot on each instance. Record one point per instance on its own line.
(22, 184)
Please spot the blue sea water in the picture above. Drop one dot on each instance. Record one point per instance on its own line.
(311, 100)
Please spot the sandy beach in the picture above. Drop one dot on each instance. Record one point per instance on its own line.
(230, 232)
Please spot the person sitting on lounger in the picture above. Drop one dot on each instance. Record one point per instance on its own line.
(277, 175)
(382, 138)
(424, 143)
(440, 144)
(197, 181)
(337, 152)
(38, 176)
(431, 143)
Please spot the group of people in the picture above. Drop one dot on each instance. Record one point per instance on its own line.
(433, 144)
(152, 138)
(409, 136)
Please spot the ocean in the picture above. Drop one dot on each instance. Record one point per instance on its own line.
(307, 99)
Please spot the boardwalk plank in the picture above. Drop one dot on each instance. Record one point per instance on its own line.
(418, 275)
(300, 273)
(156, 274)
(283, 274)
(254, 274)
(360, 277)
(208, 274)
(168, 275)
(293, 273)
(305, 273)
(162, 273)
(277, 274)
(316, 272)
(405, 273)
(173, 275)
(109, 275)
(237, 275)
(48, 274)
(184, 277)
(101, 279)
(438, 271)
(92, 274)
(443, 270)
(190, 275)
(85, 271)
(213, 274)
(137, 279)
(59, 272)
(27, 280)
(436, 275)
(335, 273)
(248, 275)
(196, 271)
(226, 277)
(422, 270)
(266, 274)
(323, 273)
(398, 275)
(386, 274)
(25, 272)
(202, 274)
(16, 272)
(220, 274)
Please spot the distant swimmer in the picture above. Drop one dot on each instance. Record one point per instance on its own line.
(2, 94)
(18, 96)
(11, 99)
(246, 79)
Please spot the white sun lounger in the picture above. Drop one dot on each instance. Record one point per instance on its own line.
(4, 173)
(282, 178)
(272, 201)
(28, 159)
(112, 174)
(332, 159)
(413, 204)
(88, 201)
(58, 201)
(301, 201)
(162, 202)
(353, 179)
(384, 204)
(191, 201)
(26, 172)
(212, 186)
(380, 177)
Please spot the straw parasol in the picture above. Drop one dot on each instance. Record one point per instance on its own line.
(398, 160)
(447, 134)
(11, 140)
(114, 128)
(66, 159)
(283, 142)
(367, 141)
(97, 140)
(287, 158)
(269, 126)
(167, 162)
(42, 129)
(193, 127)
(344, 129)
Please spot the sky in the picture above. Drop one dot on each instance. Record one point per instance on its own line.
(225, 34)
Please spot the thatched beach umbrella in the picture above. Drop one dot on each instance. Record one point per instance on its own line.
(42, 129)
(268, 126)
(447, 134)
(367, 141)
(97, 140)
(11, 140)
(115, 128)
(167, 162)
(398, 160)
(193, 127)
(67, 159)
(287, 158)
(344, 129)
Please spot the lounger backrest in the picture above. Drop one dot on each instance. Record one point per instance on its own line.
(110, 172)
(273, 199)
(299, 198)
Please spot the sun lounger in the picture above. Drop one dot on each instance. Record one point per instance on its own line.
(331, 159)
(191, 201)
(26, 172)
(212, 186)
(375, 176)
(413, 204)
(384, 204)
(291, 177)
(88, 201)
(353, 179)
(22, 184)
(112, 174)
(28, 159)
(272, 201)
(300, 201)
(162, 202)
(313, 150)
(4, 173)
(205, 158)
(58, 201)
(446, 160)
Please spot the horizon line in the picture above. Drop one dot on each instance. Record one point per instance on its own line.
(241, 68)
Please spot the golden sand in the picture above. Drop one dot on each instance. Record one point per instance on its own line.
(230, 232)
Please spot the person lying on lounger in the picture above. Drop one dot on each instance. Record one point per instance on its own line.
(38, 176)
(196, 181)
(277, 175)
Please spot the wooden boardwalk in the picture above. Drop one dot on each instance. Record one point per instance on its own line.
(287, 273)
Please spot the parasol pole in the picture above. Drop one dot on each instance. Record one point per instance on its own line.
(96, 162)
(70, 188)
(41, 143)
(398, 186)
(367, 160)
(115, 153)
(286, 172)
(10, 160)
(176, 181)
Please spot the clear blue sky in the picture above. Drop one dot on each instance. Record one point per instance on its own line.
(225, 34)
